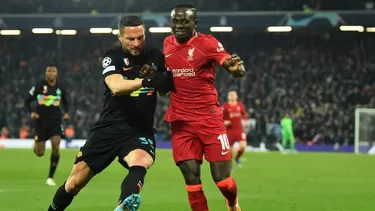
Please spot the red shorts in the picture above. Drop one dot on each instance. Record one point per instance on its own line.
(192, 140)
(235, 135)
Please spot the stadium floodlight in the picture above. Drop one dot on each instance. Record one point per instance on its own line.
(279, 29)
(221, 29)
(370, 29)
(42, 30)
(66, 32)
(115, 31)
(364, 127)
(10, 32)
(160, 30)
(100, 30)
(352, 28)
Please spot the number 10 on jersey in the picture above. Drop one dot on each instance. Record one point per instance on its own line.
(224, 141)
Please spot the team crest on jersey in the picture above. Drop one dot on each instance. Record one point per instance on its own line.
(191, 54)
(126, 61)
(45, 89)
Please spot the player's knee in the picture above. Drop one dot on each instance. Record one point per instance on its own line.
(39, 152)
(192, 179)
(243, 144)
(73, 185)
(220, 171)
(56, 151)
(139, 157)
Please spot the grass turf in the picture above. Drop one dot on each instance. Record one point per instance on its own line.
(267, 182)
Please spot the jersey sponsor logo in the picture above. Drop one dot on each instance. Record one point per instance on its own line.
(185, 72)
(191, 54)
(106, 61)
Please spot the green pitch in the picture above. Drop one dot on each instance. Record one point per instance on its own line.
(267, 182)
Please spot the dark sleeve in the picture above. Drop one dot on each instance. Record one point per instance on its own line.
(110, 64)
(30, 97)
(64, 100)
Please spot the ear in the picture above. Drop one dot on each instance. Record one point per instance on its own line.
(119, 37)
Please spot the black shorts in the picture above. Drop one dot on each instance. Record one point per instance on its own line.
(105, 144)
(44, 130)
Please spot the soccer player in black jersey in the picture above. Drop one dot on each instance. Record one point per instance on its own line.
(132, 75)
(48, 94)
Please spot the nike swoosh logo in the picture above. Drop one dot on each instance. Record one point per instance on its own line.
(126, 69)
(168, 55)
(224, 153)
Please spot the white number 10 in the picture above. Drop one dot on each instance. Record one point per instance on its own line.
(224, 141)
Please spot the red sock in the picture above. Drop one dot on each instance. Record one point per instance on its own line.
(228, 188)
(197, 199)
(239, 153)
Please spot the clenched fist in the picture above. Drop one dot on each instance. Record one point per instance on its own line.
(146, 70)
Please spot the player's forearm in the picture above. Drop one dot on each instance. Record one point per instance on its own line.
(126, 87)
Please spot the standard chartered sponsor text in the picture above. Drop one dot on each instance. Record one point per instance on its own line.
(183, 72)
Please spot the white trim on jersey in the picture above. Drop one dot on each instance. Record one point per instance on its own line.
(108, 69)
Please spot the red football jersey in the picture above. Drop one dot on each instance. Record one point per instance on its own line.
(234, 113)
(192, 65)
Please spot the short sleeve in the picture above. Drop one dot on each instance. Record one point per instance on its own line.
(110, 64)
(215, 50)
(32, 91)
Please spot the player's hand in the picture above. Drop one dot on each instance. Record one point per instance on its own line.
(162, 82)
(235, 65)
(226, 123)
(66, 116)
(34, 116)
(146, 70)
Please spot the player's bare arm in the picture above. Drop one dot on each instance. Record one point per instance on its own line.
(234, 64)
(119, 86)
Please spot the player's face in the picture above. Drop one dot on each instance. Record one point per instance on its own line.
(133, 39)
(232, 96)
(183, 23)
(51, 73)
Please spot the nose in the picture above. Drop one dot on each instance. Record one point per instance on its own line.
(136, 43)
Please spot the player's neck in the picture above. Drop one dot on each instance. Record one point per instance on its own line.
(51, 83)
(232, 102)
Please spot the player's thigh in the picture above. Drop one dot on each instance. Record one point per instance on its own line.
(191, 170)
(185, 144)
(216, 146)
(138, 150)
(100, 149)
(80, 175)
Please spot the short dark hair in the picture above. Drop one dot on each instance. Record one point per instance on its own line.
(184, 5)
(130, 20)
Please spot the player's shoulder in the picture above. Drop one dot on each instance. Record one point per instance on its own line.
(206, 37)
(169, 39)
(150, 50)
(113, 52)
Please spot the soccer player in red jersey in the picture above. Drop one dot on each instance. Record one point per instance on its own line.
(195, 113)
(233, 114)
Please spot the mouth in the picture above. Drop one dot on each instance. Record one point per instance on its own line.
(180, 33)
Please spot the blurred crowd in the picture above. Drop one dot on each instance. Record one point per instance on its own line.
(318, 79)
(118, 6)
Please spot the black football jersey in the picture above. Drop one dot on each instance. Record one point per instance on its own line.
(135, 110)
(49, 99)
